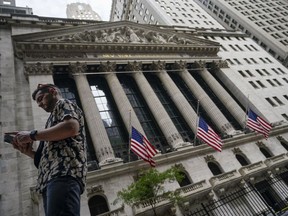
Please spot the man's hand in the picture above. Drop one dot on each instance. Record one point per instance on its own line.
(20, 142)
(22, 138)
(26, 149)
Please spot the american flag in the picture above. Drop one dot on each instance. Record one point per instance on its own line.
(141, 146)
(207, 134)
(258, 124)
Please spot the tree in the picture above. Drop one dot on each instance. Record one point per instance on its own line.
(149, 186)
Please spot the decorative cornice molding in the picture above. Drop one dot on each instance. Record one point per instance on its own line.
(94, 189)
(237, 150)
(54, 55)
(260, 144)
(209, 158)
(123, 34)
(38, 69)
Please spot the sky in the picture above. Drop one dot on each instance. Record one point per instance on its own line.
(57, 8)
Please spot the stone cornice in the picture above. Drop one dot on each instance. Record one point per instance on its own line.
(112, 37)
(174, 157)
(80, 50)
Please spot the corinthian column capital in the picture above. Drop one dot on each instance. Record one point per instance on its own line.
(220, 64)
(78, 67)
(107, 66)
(38, 69)
(200, 64)
(180, 65)
(134, 66)
(160, 65)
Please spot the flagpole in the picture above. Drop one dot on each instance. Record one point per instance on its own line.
(130, 130)
(197, 119)
(246, 112)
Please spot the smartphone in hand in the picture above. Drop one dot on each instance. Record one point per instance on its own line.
(8, 138)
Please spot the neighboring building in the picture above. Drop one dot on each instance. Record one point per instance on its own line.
(264, 21)
(9, 7)
(151, 77)
(163, 12)
(81, 11)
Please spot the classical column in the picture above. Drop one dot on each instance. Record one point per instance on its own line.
(241, 92)
(224, 96)
(163, 119)
(39, 73)
(212, 110)
(101, 143)
(180, 101)
(126, 111)
(36, 74)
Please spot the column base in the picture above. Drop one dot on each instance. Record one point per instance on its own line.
(182, 146)
(233, 133)
(110, 162)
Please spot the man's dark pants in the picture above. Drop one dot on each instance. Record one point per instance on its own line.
(62, 197)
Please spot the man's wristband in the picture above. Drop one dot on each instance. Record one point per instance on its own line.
(33, 134)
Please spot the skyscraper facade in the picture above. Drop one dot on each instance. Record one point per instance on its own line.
(9, 7)
(263, 20)
(81, 11)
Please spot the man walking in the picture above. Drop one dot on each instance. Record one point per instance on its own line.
(61, 156)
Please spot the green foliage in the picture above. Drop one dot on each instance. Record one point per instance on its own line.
(150, 185)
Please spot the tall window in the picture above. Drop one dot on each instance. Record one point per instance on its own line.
(192, 99)
(214, 168)
(69, 91)
(216, 101)
(181, 125)
(265, 152)
(284, 143)
(185, 181)
(110, 116)
(242, 160)
(148, 123)
(98, 205)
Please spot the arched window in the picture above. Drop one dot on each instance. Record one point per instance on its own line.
(242, 160)
(284, 144)
(185, 181)
(265, 152)
(97, 205)
(215, 169)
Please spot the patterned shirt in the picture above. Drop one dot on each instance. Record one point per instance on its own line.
(64, 157)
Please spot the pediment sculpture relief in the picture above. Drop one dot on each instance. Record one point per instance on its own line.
(123, 35)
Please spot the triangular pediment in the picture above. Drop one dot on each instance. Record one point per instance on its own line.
(122, 36)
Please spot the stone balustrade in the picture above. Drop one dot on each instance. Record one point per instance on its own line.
(225, 181)
(276, 161)
(254, 169)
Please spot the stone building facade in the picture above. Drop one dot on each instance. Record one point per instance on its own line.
(151, 77)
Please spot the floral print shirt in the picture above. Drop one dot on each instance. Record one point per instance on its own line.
(64, 157)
